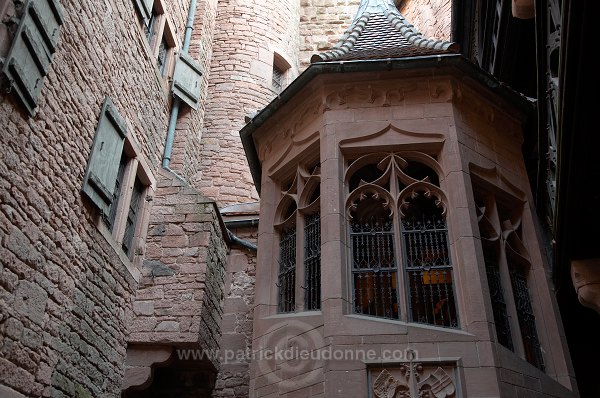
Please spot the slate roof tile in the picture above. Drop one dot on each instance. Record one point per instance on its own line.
(379, 31)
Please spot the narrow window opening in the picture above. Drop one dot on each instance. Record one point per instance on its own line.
(427, 264)
(150, 28)
(132, 214)
(287, 270)
(373, 260)
(161, 60)
(279, 76)
(277, 80)
(109, 219)
(312, 262)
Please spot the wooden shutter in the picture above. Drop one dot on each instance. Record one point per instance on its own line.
(31, 52)
(144, 8)
(103, 165)
(187, 79)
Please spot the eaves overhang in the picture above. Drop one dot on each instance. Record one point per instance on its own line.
(447, 61)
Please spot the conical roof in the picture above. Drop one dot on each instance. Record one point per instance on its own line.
(379, 31)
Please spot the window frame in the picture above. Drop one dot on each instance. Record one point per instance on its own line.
(163, 29)
(136, 167)
(491, 214)
(298, 188)
(354, 161)
(282, 66)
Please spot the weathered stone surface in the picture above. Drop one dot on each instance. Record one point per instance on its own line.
(234, 377)
(64, 289)
(180, 295)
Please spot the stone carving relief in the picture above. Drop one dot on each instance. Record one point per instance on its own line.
(352, 95)
(291, 134)
(394, 138)
(414, 380)
(385, 96)
(394, 186)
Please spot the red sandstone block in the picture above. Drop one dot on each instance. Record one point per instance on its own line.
(175, 241)
(200, 239)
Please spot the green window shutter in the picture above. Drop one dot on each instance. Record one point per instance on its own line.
(103, 165)
(187, 79)
(144, 8)
(34, 44)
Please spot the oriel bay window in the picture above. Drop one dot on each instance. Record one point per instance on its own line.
(398, 239)
(298, 226)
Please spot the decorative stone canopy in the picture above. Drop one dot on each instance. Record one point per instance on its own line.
(379, 31)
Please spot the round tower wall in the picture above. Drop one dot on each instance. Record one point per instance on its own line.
(248, 38)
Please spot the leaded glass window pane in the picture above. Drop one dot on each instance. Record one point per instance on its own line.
(531, 344)
(497, 297)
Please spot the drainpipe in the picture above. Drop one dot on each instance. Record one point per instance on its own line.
(189, 26)
(241, 242)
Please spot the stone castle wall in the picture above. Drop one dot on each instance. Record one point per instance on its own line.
(65, 289)
(234, 377)
(180, 293)
(433, 18)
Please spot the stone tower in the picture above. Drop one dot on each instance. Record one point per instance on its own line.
(255, 54)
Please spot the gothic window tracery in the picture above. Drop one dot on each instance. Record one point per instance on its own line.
(507, 264)
(298, 223)
(398, 237)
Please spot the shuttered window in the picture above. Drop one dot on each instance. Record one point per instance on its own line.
(33, 46)
(109, 219)
(116, 180)
(103, 166)
(187, 79)
(144, 8)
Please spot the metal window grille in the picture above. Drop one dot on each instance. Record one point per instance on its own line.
(109, 219)
(531, 344)
(277, 79)
(374, 268)
(312, 262)
(132, 213)
(287, 270)
(497, 296)
(429, 271)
